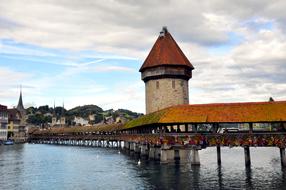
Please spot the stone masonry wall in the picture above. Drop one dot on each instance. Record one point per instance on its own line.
(163, 93)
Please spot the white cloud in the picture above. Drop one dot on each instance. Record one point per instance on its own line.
(10, 84)
(250, 68)
(251, 71)
(124, 95)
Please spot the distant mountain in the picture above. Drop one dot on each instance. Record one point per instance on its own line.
(84, 111)
(43, 114)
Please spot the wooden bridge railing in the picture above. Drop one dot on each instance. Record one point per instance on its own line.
(208, 139)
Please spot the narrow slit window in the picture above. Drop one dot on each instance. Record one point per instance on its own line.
(173, 84)
(157, 84)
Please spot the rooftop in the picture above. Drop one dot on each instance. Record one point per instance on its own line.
(256, 112)
(3, 108)
(166, 52)
(216, 113)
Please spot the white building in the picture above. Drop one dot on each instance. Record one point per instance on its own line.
(3, 123)
(80, 121)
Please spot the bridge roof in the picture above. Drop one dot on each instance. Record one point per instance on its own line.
(216, 113)
(78, 129)
(256, 112)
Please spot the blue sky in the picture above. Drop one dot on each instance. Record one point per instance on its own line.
(89, 53)
(58, 74)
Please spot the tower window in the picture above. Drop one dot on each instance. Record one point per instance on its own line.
(173, 84)
(157, 84)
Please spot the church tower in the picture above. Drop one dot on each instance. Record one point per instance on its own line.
(21, 109)
(63, 118)
(166, 72)
(54, 118)
(20, 106)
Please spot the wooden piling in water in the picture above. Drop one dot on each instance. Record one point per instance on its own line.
(247, 156)
(283, 157)
(218, 155)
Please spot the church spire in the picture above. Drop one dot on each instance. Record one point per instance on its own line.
(54, 110)
(20, 105)
(63, 110)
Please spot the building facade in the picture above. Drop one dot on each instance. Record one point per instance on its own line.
(14, 123)
(59, 120)
(17, 126)
(3, 123)
(166, 72)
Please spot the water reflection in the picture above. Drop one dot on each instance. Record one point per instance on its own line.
(248, 179)
(219, 175)
(61, 167)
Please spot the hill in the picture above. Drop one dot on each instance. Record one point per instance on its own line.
(43, 114)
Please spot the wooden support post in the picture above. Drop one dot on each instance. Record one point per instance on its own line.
(144, 151)
(250, 127)
(151, 152)
(167, 155)
(176, 154)
(178, 129)
(215, 127)
(218, 154)
(184, 154)
(194, 128)
(247, 156)
(136, 148)
(186, 128)
(164, 156)
(157, 152)
(283, 157)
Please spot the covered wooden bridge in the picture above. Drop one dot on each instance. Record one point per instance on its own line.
(170, 134)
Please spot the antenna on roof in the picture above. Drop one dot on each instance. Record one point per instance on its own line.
(163, 31)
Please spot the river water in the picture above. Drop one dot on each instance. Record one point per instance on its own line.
(35, 166)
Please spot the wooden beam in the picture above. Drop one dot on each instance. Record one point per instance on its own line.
(250, 127)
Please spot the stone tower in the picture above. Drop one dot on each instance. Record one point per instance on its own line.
(166, 72)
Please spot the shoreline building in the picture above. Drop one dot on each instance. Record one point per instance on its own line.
(17, 121)
(58, 121)
(166, 72)
(54, 117)
(3, 123)
(63, 118)
(14, 122)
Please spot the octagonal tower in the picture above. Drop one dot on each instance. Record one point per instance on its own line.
(166, 72)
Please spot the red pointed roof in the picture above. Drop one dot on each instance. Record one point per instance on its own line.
(166, 52)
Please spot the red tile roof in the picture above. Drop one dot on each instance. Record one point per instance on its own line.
(216, 113)
(166, 52)
(79, 129)
(197, 113)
